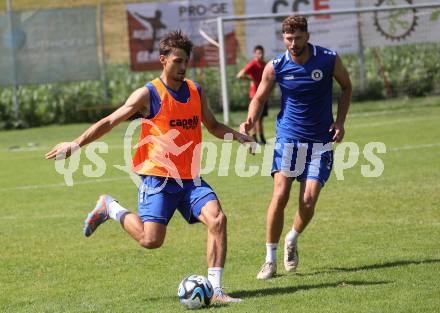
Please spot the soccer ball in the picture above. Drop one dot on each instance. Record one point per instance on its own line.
(195, 291)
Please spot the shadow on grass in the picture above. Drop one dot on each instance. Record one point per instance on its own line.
(176, 300)
(339, 284)
(280, 290)
(293, 289)
(371, 267)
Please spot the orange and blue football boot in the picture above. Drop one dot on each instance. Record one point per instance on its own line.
(98, 215)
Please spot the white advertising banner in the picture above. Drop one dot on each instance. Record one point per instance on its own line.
(400, 26)
(148, 22)
(338, 32)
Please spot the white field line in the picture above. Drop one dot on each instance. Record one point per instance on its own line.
(45, 148)
(103, 180)
(39, 217)
(79, 182)
(412, 147)
(406, 147)
(390, 122)
(386, 112)
(349, 126)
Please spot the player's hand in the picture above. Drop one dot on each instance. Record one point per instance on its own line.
(244, 138)
(62, 150)
(247, 140)
(339, 130)
(246, 127)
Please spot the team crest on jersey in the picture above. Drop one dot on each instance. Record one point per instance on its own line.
(317, 75)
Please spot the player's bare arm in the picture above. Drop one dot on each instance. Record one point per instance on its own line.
(244, 75)
(241, 74)
(341, 75)
(138, 101)
(218, 129)
(263, 92)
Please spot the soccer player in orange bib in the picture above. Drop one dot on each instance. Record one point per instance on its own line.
(167, 159)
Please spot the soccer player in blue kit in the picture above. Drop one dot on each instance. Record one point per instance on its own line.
(305, 132)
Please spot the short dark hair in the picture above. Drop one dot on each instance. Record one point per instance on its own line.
(259, 47)
(293, 23)
(175, 40)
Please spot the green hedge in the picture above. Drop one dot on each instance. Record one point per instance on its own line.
(68, 103)
(413, 70)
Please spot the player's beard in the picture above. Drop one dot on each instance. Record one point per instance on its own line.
(298, 53)
(179, 77)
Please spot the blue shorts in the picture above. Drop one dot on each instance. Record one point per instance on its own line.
(303, 160)
(159, 197)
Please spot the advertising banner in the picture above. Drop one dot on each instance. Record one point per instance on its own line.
(401, 26)
(148, 22)
(338, 32)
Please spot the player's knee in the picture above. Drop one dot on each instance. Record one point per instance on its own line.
(217, 223)
(307, 204)
(280, 197)
(151, 243)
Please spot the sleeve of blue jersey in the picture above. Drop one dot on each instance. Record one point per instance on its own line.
(199, 89)
(154, 101)
(329, 53)
(276, 62)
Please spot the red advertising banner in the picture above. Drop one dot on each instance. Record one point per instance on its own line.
(149, 22)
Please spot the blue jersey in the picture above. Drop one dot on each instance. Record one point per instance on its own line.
(306, 95)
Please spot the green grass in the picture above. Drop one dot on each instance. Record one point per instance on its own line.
(373, 245)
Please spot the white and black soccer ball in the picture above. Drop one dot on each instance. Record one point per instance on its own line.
(195, 291)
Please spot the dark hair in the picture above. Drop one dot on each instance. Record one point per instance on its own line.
(293, 23)
(259, 47)
(175, 40)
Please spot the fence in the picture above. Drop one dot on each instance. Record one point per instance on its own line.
(396, 47)
(400, 64)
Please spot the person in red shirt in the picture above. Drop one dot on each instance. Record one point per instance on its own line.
(254, 71)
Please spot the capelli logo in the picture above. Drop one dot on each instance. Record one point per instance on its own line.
(189, 123)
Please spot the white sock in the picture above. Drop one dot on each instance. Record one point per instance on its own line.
(271, 252)
(292, 236)
(116, 211)
(215, 275)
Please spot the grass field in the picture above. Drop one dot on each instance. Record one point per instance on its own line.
(374, 245)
